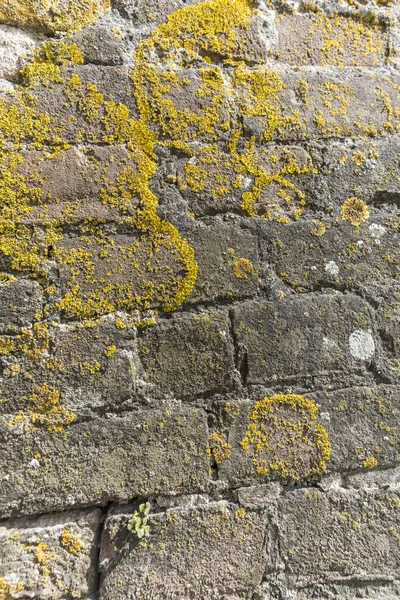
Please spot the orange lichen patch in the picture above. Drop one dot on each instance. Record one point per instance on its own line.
(284, 438)
(52, 15)
(355, 211)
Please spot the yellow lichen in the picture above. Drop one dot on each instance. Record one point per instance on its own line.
(47, 409)
(355, 211)
(71, 542)
(52, 15)
(6, 345)
(243, 268)
(370, 462)
(8, 591)
(284, 438)
(219, 447)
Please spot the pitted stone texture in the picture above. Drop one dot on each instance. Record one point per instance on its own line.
(380, 589)
(389, 327)
(101, 45)
(150, 12)
(287, 446)
(114, 458)
(189, 356)
(14, 44)
(339, 535)
(92, 367)
(318, 39)
(313, 254)
(66, 119)
(52, 556)
(228, 263)
(20, 300)
(361, 423)
(72, 183)
(331, 103)
(300, 336)
(366, 169)
(209, 552)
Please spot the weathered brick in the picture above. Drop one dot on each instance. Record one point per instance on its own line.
(303, 336)
(206, 552)
(108, 458)
(190, 355)
(52, 556)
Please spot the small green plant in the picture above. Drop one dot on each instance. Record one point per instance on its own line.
(137, 524)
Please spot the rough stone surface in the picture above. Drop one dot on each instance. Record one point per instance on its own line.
(115, 458)
(199, 299)
(338, 536)
(13, 45)
(53, 556)
(190, 355)
(303, 336)
(204, 552)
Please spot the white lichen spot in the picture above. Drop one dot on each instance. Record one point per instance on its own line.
(332, 268)
(362, 345)
(377, 231)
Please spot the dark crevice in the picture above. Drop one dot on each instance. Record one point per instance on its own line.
(241, 355)
(385, 197)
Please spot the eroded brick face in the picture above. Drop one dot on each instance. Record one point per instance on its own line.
(199, 362)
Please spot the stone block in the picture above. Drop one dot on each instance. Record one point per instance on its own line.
(312, 254)
(20, 300)
(13, 44)
(337, 40)
(88, 367)
(209, 551)
(339, 535)
(228, 263)
(52, 556)
(362, 424)
(99, 45)
(108, 458)
(189, 356)
(304, 336)
(74, 184)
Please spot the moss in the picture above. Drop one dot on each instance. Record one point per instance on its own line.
(284, 438)
(355, 211)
